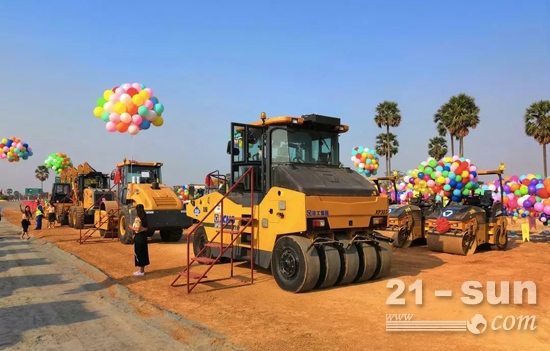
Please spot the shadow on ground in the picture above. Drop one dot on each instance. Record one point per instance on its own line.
(9, 284)
(22, 262)
(15, 320)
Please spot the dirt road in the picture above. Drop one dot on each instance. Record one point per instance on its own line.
(48, 302)
(263, 317)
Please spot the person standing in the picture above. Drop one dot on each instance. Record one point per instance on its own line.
(39, 214)
(51, 216)
(141, 250)
(25, 221)
(0, 212)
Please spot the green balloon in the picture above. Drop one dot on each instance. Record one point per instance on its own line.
(100, 102)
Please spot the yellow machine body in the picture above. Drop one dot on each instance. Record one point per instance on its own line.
(141, 183)
(461, 229)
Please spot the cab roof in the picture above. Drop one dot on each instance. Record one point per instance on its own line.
(305, 119)
(126, 162)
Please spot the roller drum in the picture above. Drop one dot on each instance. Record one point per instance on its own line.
(453, 244)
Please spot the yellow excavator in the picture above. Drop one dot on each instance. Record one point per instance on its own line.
(406, 220)
(461, 228)
(309, 220)
(141, 183)
(77, 197)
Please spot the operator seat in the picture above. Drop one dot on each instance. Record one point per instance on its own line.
(486, 202)
(283, 155)
(473, 200)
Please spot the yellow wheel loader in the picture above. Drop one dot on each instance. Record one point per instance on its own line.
(77, 196)
(141, 183)
(461, 229)
(406, 221)
(313, 223)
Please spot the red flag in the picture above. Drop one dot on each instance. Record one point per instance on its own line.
(208, 181)
(117, 176)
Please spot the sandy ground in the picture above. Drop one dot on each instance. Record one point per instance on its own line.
(263, 317)
(48, 302)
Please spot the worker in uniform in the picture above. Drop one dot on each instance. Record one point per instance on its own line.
(39, 214)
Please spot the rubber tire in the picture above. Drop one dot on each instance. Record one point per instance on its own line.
(125, 236)
(350, 262)
(471, 250)
(368, 263)
(384, 255)
(70, 217)
(498, 245)
(78, 219)
(59, 215)
(199, 238)
(330, 266)
(171, 236)
(309, 265)
(404, 244)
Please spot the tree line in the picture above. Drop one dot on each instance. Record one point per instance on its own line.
(454, 120)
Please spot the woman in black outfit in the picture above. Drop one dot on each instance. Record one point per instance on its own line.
(141, 251)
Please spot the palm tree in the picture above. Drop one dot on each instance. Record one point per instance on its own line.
(9, 191)
(441, 126)
(17, 195)
(386, 144)
(41, 173)
(537, 126)
(387, 115)
(458, 116)
(437, 148)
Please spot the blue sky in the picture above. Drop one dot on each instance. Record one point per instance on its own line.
(214, 62)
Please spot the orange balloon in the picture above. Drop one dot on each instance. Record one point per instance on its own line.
(122, 127)
(546, 202)
(132, 109)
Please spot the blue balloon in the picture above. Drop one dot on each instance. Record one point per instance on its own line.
(474, 174)
(459, 186)
(421, 174)
(452, 183)
(154, 100)
(145, 124)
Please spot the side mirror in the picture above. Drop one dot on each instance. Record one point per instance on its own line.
(113, 175)
(191, 190)
(230, 149)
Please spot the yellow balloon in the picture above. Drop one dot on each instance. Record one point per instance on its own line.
(144, 95)
(137, 100)
(157, 122)
(107, 94)
(120, 107)
(98, 111)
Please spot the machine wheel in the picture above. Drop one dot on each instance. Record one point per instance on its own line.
(170, 235)
(199, 240)
(294, 268)
(330, 266)
(384, 260)
(70, 217)
(78, 218)
(469, 244)
(402, 238)
(501, 239)
(368, 262)
(350, 262)
(125, 234)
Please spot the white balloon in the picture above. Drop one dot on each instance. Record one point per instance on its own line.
(151, 116)
(125, 98)
(133, 129)
(109, 107)
(125, 117)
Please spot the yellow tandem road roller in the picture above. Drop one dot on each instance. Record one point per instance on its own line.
(406, 221)
(312, 222)
(461, 229)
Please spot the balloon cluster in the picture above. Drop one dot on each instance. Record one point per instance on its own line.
(238, 140)
(451, 178)
(58, 161)
(129, 108)
(365, 160)
(183, 193)
(14, 149)
(526, 195)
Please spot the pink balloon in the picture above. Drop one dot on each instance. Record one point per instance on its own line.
(127, 86)
(29, 149)
(150, 91)
(539, 207)
(111, 127)
(546, 210)
(133, 129)
(114, 117)
(149, 104)
(6, 149)
(137, 119)
(136, 86)
(113, 98)
(3, 156)
(119, 91)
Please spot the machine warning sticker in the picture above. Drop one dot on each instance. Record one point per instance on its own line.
(197, 211)
(390, 209)
(314, 213)
(447, 213)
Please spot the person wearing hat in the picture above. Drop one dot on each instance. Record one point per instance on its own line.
(39, 214)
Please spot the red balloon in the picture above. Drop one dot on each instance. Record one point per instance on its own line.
(525, 181)
(132, 91)
(543, 193)
(359, 156)
(115, 88)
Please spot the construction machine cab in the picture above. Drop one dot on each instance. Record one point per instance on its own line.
(61, 193)
(377, 181)
(131, 171)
